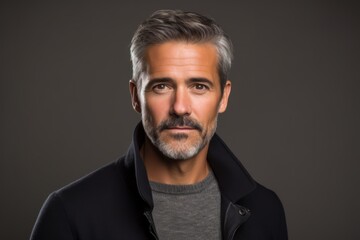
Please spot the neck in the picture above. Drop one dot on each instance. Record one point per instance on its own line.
(173, 171)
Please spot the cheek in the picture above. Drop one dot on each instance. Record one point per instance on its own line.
(206, 109)
(157, 108)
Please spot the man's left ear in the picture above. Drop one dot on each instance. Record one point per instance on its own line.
(225, 97)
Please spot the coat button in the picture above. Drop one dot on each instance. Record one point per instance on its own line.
(242, 211)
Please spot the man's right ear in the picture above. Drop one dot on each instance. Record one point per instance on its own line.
(134, 96)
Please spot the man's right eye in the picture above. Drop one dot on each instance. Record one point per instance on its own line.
(161, 88)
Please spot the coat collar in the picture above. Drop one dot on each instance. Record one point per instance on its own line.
(233, 179)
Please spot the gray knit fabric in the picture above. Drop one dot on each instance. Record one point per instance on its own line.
(187, 212)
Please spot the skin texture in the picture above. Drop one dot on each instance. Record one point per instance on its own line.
(179, 103)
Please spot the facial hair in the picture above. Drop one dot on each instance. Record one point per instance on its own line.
(175, 147)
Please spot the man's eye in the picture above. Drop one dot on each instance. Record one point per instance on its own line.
(201, 87)
(160, 88)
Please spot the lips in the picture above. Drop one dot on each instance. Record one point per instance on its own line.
(180, 123)
(180, 127)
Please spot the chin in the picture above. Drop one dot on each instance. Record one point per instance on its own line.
(180, 150)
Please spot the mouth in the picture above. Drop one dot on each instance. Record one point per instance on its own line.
(179, 124)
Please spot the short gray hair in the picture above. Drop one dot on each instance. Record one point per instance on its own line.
(168, 25)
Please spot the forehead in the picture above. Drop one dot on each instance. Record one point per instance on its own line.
(182, 59)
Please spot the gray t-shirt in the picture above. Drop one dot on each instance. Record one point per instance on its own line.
(187, 211)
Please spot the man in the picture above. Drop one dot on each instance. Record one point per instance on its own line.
(178, 179)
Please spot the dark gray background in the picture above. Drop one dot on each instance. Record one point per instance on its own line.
(293, 118)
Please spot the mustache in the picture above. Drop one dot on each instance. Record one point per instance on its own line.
(182, 121)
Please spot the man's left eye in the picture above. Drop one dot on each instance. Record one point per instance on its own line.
(200, 87)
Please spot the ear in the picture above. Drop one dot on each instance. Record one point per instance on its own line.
(225, 97)
(134, 96)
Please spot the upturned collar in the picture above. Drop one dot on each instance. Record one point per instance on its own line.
(233, 179)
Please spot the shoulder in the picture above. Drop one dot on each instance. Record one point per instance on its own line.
(97, 187)
(263, 200)
(105, 192)
(261, 195)
(266, 211)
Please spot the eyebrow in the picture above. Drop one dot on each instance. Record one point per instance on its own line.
(154, 81)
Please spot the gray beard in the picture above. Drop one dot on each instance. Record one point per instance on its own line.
(171, 152)
(179, 154)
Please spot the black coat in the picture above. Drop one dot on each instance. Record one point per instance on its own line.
(115, 202)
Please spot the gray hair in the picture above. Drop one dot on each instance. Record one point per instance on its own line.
(167, 25)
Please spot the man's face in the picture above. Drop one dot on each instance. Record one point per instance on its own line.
(181, 97)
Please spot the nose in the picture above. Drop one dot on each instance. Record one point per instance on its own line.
(181, 103)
